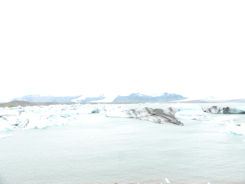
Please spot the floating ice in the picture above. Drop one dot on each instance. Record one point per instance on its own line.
(33, 117)
(5, 135)
(236, 128)
(223, 110)
(167, 180)
(157, 115)
(38, 117)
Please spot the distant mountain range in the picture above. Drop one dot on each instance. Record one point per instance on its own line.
(41, 99)
(134, 97)
(54, 99)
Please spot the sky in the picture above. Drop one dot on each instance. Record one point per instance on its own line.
(71, 47)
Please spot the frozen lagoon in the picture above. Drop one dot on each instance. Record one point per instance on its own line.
(66, 144)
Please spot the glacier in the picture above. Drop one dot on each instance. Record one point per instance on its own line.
(39, 117)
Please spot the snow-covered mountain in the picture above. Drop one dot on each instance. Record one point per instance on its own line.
(58, 99)
(137, 97)
(38, 98)
(84, 99)
(134, 97)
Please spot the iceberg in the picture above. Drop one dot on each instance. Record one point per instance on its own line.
(156, 115)
(223, 110)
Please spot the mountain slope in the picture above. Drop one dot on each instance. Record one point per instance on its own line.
(38, 99)
(136, 97)
(54, 99)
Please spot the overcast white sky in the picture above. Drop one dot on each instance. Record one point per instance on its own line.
(57, 47)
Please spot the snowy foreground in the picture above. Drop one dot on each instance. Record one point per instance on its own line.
(123, 143)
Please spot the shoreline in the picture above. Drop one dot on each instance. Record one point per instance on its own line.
(26, 103)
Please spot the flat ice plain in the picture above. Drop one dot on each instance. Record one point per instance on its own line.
(99, 144)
